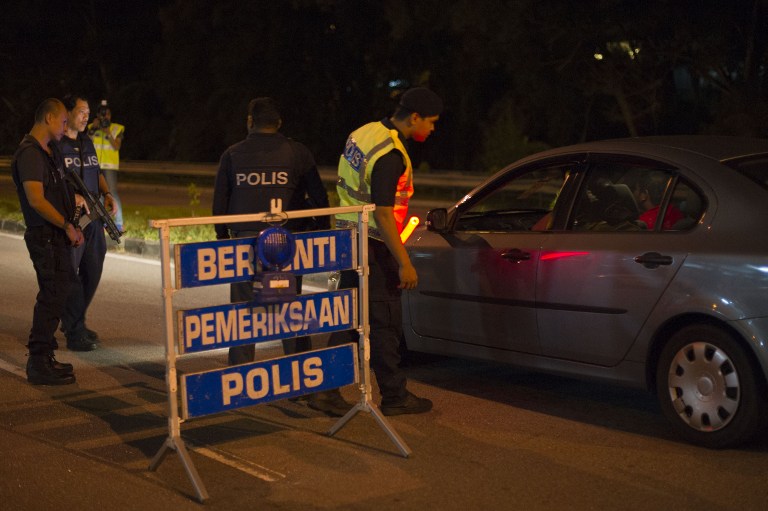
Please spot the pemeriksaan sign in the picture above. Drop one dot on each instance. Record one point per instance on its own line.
(235, 324)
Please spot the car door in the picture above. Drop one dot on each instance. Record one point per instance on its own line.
(601, 276)
(477, 281)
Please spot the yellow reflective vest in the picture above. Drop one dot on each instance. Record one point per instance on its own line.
(109, 157)
(363, 148)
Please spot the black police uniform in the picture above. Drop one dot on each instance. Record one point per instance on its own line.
(88, 259)
(48, 245)
(253, 172)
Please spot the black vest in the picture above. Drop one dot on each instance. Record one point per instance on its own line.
(264, 168)
(55, 188)
(87, 166)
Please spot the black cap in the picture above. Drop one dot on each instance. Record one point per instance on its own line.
(422, 101)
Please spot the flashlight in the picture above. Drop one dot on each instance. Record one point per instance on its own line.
(408, 229)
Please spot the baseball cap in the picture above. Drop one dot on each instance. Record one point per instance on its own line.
(422, 101)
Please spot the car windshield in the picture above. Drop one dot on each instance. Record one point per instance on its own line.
(754, 167)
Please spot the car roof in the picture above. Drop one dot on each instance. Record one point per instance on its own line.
(720, 148)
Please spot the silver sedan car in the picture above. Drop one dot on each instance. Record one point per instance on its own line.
(641, 262)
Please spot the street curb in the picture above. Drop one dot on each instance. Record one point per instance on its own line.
(143, 248)
(12, 226)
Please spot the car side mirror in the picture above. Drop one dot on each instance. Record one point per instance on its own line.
(437, 220)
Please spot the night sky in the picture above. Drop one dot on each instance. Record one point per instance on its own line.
(516, 76)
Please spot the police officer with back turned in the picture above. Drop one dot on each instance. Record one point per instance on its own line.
(253, 172)
(48, 205)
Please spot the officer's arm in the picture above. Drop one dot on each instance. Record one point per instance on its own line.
(116, 142)
(384, 179)
(317, 196)
(385, 220)
(36, 198)
(221, 195)
(109, 202)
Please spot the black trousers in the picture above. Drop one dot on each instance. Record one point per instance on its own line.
(51, 254)
(385, 316)
(88, 262)
(243, 292)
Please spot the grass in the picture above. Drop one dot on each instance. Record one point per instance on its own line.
(136, 218)
(136, 223)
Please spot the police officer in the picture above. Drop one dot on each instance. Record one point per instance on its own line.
(48, 205)
(375, 168)
(253, 172)
(108, 137)
(88, 259)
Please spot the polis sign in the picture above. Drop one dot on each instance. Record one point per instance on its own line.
(220, 390)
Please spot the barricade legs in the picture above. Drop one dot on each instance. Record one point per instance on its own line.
(177, 444)
(366, 403)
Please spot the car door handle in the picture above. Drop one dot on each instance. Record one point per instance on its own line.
(516, 255)
(653, 260)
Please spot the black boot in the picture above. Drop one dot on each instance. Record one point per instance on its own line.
(61, 367)
(41, 371)
(330, 402)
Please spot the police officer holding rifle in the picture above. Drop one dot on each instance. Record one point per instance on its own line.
(48, 205)
(85, 174)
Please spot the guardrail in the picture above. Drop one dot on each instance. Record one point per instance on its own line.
(446, 180)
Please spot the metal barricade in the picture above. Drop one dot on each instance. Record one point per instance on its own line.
(194, 334)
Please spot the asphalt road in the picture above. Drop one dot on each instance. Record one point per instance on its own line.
(497, 438)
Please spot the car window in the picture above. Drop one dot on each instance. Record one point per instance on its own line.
(689, 203)
(754, 167)
(627, 197)
(522, 203)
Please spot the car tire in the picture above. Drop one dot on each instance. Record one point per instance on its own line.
(708, 388)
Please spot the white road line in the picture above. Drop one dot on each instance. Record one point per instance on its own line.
(240, 464)
(125, 257)
(135, 258)
(11, 368)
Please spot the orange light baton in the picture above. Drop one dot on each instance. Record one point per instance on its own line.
(408, 229)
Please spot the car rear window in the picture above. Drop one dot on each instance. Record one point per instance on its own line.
(754, 167)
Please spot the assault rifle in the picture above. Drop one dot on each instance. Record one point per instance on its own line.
(98, 211)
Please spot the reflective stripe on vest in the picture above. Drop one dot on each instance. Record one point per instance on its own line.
(364, 147)
(109, 157)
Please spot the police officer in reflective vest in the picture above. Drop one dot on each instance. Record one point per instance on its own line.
(107, 138)
(375, 168)
(253, 172)
(79, 155)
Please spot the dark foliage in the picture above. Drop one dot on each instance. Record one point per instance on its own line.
(515, 75)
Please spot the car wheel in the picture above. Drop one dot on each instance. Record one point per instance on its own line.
(708, 388)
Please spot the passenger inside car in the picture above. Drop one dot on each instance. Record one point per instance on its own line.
(649, 193)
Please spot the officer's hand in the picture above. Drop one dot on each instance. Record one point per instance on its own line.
(80, 202)
(75, 235)
(110, 204)
(408, 277)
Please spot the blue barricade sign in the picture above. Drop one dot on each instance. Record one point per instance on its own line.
(235, 324)
(225, 261)
(262, 382)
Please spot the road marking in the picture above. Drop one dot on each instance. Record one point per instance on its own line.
(11, 368)
(240, 464)
(136, 258)
(125, 257)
